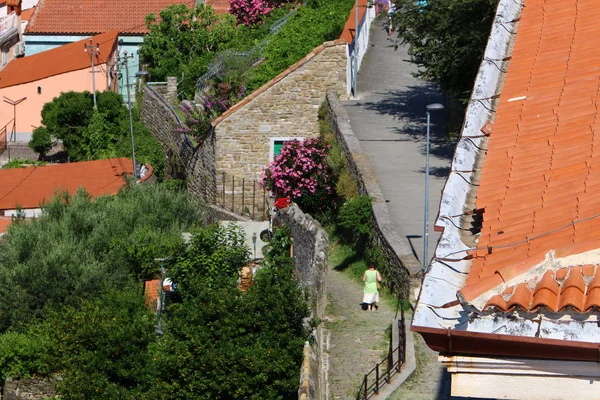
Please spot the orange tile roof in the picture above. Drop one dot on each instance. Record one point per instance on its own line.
(97, 16)
(573, 288)
(30, 187)
(350, 27)
(27, 14)
(542, 169)
(60, 60)
(220, 6)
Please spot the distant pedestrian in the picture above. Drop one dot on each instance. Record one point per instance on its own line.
(391, 12)
(372, 279)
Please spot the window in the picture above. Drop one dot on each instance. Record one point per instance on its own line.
(277, 144)
(4, 56)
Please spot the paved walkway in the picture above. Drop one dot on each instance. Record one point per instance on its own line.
(389, 119)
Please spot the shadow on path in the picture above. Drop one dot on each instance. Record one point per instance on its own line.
(407, 107)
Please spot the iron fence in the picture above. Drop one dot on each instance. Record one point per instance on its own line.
(242, 196)
(384, 371)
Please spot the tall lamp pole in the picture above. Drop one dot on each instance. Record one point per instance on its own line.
(126, 57)
(430, 107)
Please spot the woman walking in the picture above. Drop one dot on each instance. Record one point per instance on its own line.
(371, 278)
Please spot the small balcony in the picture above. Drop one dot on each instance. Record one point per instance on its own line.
(9, 28)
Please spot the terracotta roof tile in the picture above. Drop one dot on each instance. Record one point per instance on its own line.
(97, 16)
(60, 60)
(541, 174)
(220, 6)
(573, 287)
(30, 187)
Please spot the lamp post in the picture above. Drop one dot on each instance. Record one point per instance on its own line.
(430, 107)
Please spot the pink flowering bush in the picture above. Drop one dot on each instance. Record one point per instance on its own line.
(251, 12)
(301, 173)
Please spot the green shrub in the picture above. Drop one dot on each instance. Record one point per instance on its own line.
(41, 141)
(346, 186)
(21, 163)
(23, 355)
(356, 217)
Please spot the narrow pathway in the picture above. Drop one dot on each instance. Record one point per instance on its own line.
(357, 339)
(389, 118)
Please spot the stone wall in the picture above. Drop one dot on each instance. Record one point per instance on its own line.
(403, 264)
(194, 164)
(32, 389)
(285, 107)
(310, 254)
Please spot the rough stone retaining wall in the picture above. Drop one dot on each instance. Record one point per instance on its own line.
(310, 253)
(33, 389)
(285, 107)
(397, 251)
(197, 164)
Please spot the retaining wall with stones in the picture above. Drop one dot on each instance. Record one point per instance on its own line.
(398, 254)
(310, 254)
(285, 107)
(194, 164)
(32, 389)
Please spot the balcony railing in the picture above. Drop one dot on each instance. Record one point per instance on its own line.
(9, 27)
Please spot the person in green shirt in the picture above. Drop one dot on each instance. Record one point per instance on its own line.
(371, 278)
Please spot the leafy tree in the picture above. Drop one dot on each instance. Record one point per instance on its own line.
(41, 141)
(101, 346)
(219, 343)
(447, 39)
(92, 134)
(80, 248)
(183, 40)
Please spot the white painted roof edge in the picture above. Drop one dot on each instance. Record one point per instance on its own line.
(445, 278)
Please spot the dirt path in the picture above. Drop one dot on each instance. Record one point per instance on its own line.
(358, 338)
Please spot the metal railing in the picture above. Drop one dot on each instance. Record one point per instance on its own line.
(384, 371)
(242, 196)
(8, 27)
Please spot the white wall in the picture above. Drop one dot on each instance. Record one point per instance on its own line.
(358, 48)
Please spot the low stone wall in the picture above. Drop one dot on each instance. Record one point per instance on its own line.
(310, 253)
(31, 389)
(397, 251)
(195, 165)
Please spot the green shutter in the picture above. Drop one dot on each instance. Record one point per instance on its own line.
(277, 147)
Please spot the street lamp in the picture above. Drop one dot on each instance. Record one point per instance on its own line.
(430, 107)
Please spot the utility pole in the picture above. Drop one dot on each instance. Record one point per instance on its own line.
(94, 51)
(126, 62)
